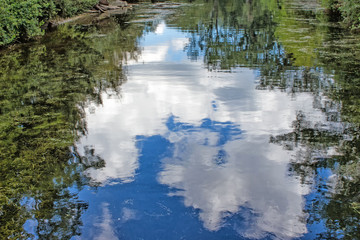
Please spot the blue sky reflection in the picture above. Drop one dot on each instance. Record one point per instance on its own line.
(216, 128)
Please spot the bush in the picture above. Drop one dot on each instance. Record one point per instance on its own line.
(348, 9)
(22, 19)
(68, 8)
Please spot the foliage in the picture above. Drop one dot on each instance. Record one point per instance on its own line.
(348, 9)
(68, 8)
(23, 19)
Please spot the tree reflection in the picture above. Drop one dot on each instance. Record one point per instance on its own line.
(296, 50)
(327, 153)
(234, 33)
(318, 151)
(44, 89)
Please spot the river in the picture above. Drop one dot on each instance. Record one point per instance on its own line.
(212, 119)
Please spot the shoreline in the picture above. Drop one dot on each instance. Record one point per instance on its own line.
(97, 13)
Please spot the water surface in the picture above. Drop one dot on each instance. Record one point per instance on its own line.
(210, 120)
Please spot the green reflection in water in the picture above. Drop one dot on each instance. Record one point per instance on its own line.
(296, 48)
(45, 86)
(337, 55)
(232, 33)
(44, 89)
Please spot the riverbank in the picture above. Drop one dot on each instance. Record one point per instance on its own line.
(96, 14)
(346, 11)
(17, 25)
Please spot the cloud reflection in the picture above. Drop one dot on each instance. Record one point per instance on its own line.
(106, 228)
(217, 173)
(250, 176)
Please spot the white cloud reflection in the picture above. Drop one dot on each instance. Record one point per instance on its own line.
(106, 228)
(254, 174)
(160, 28)
(251, 176)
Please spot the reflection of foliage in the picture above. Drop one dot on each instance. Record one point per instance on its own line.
(233, 33)
(337, 196)
(299, 32)
(343, 55)
(43, 91)
(337, 96)
(285, 42)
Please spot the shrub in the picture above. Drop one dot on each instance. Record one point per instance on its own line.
(68, 8)
(350, 11)
(22, 19)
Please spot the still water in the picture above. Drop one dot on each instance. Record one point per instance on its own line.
(202, 120)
